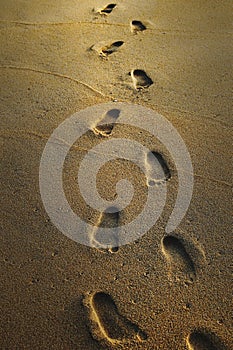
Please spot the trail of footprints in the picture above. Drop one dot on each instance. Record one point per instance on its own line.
(140, 78)
(107, 322)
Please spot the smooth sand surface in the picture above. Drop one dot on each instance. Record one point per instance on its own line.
(161, 292)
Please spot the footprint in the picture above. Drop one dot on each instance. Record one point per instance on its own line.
(107, 9)
(140, 79)
(108, 50)
(198, 340)
(112, 326)
(137, 26)
(98, 241)
(109, 120)
(180, 263)
(104, 50)
(156, 168)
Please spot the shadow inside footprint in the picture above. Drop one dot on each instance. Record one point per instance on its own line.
(157, 168)
(105, 49)
(114, 327)
(180, 262)
(109, 49)
(140, 79)
(107, 123)
(163, 164)
(199, 340)
(107, 9)
(137, 26)
(99, 240)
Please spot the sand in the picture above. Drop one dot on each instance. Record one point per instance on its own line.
(163, 291)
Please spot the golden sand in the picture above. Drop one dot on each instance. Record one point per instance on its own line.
(160, 292)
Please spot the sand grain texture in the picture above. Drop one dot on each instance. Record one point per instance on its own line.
(163, 291)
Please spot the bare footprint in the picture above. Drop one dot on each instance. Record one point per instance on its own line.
(140, 79)
(107, 123)
(137, 26)
(107, 9)
(181, 266)
(199, 340)
(112, 326)
(104, 50)
(108, 50)
(100, 242)
(156, 168)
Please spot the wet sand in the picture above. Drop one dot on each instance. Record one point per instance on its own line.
(163, 291)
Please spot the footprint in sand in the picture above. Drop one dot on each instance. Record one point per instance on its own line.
(109, 49)
(199, 340)
(181, 266)
(107, 123)
(104, 50)
(140, 79)
(137, 26)
(111, 325)
(97, 240)
(107, 9)
(156, 169)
